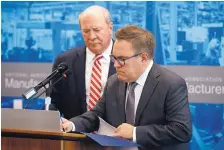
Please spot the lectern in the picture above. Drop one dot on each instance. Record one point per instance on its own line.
(16, 139)
(40, 130)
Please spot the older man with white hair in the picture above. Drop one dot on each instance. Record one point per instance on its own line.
(90, 65)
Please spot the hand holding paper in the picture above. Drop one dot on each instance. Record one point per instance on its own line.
(122, 131)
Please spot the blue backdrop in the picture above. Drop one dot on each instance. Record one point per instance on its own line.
(187, 33)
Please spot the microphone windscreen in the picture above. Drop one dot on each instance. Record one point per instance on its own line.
(62, 67)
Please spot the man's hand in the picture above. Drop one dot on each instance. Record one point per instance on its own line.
(66, 125)
(124, 131)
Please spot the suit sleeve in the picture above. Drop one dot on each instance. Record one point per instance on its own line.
(89, 122)
(178, 127)
(55, 91)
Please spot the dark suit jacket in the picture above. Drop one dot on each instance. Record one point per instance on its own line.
(69, 95)
(163, 120)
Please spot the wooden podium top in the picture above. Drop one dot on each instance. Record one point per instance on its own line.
(21, 139)
(42, 134)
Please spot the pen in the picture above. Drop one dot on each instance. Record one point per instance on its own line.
(62, 122)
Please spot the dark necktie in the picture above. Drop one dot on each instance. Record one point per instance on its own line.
(130, 105)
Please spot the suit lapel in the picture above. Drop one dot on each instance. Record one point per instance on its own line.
(79, 74)
(121, 100)
(148, 89)
(112, 69)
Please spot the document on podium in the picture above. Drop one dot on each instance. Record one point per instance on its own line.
(104, 137)
(105, 128)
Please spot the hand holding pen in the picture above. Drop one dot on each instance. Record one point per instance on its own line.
(62, 129)
(66, 125)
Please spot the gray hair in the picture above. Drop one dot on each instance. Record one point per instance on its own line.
(94, 9)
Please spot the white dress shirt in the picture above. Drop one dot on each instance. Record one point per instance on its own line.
(138, 91)
(105, 64)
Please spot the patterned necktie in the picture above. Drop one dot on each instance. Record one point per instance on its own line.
(95, 83)
(130, 105)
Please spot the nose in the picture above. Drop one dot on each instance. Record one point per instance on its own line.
(92, 35)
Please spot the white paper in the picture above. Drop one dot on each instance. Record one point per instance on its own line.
(105, 128)
(109, 130)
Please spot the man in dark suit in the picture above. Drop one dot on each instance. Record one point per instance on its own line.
(71, 96)
(144, 101)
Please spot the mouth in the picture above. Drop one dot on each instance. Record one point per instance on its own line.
(120, 72)
(94, 43)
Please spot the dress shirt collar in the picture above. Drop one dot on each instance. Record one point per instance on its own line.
(141, 80)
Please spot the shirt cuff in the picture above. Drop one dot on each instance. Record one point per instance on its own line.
(134, 135)
(73, 126)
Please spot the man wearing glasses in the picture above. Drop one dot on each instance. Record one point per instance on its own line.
(144, 101)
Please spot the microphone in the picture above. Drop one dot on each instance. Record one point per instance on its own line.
(61, 70)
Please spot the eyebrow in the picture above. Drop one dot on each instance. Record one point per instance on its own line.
(120, 56)
(85, 29)
(92, 28)
(97, 27)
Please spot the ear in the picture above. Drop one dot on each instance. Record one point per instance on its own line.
(145, 57)
(111, 27)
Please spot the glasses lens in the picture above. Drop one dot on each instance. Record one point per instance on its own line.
(119, 61)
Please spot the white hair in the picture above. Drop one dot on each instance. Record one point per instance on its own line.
(95, 9)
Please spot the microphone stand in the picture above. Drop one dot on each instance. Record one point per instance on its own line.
(45, 89)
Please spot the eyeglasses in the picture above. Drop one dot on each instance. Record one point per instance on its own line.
(121, 60)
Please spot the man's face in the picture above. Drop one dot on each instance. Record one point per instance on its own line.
(96, 32)
(133, 67)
